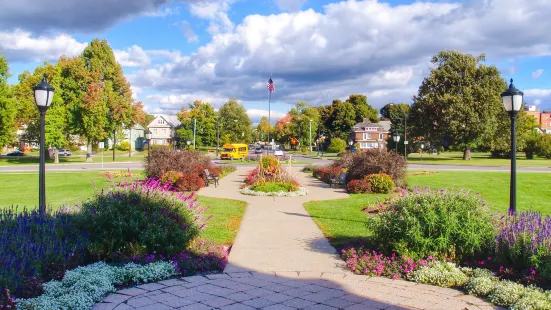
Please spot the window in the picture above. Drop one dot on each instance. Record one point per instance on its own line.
(164, 131)
(367, 136)
(154, 131)
(380, 136)
(369, 145)
(161, 122)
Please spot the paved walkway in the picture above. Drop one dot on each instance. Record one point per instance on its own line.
(280, 260)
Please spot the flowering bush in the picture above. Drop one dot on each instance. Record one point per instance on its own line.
(364, 163)
(6, 301)
(380, 183)
(171, 177)
(533, 299)
(369, 262)
(30, 242)
(524, 240)
(482, 285)
(359, 186)
(137, 218)
(204, 257)
(325, 174)
(440, 274)
(505, 293)
(82, 287)
(445, 224)
(269, 179)
(190, 182)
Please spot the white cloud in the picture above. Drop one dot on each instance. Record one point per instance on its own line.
(216, 12)
(537, 93)
(133, 56)
(536, 74)
(258, 113)
(187, 31)
(537, 101)
(164, 12)
(290, 5)
(136, 91)
(22, 46)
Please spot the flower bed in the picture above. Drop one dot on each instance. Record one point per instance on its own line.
(269, 179)
(123, 226)
(426, 236)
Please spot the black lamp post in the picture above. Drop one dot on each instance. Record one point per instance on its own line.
(148, 138)
(43, 95)
(512, 101)
(217, 137)
(396, 138)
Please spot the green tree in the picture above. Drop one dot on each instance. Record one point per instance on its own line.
(8, 108)
(396, 113)
(301, 115)
(204, 113)
(459, 101)
(499, 143)
(235, 124)
(363, 109)
(342, 119)
(263, 128)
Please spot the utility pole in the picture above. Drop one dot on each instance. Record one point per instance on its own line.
(194, 130)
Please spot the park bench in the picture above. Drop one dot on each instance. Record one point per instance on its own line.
(341, 179)
(210, 178)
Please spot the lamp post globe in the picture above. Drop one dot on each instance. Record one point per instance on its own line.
(396, 139)
(43, 96)
(188, 142)
(512, 100)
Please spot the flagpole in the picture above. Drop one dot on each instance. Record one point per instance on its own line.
(269, 117)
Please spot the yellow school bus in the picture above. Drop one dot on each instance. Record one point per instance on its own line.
(234, 151)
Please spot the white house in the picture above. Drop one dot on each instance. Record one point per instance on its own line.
(163, 129)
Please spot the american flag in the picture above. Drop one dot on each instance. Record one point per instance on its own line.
(271, 87)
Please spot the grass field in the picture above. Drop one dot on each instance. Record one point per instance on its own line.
(342, 220)
(70, 188)
(478, 159)
(96, 158)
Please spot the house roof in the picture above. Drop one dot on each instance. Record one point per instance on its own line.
(385, 124)
(367, 124)
(172, 120)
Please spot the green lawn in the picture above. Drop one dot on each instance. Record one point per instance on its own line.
(478, 159)
(107, 158)
(68, 188)
(342, 220)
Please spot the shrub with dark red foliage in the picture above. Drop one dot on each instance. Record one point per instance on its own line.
(326, 173)
(359, 186)
(164, 160)
(252, 177)
(190, 182)
(6, 301)
(362, 164)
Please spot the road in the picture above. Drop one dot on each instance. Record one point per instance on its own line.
(139, 165)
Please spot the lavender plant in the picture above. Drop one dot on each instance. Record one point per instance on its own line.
(524, 240)
(30, 243)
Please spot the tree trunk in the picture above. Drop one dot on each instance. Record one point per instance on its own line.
(56, 157)
(114, 143)
(467, 153)
(89, 153)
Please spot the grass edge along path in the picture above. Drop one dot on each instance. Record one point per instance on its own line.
(21, 189)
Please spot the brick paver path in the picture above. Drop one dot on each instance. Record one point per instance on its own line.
(281, 260)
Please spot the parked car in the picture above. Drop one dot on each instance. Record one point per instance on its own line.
(16, 153)
(258, 150)
(278, 153)
(64, 152)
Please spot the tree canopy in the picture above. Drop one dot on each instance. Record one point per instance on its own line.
(204, 113)
(8, 108)
(235, 124)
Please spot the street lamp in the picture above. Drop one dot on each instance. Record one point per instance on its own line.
(43, 95)
(396, 138)
(310, 136)
(148, 138)
(217, 136)
(512, 101)
(188, 143)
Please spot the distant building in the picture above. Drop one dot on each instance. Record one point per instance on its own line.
(543, 119)
(371, 135)
(163, 129)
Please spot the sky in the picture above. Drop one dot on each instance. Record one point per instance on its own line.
(175, 52)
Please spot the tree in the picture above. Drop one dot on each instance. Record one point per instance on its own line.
(99, 58)
(235, 124)
(263, 128)
(284, 129)
(396, 113)
(499, 143)
(341, 120)
(204, 113)
(8, 108)
(363, 109)
(459, 101)
(301, 115)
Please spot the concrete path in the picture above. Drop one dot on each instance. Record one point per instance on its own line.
(280, 260)
(277, 234)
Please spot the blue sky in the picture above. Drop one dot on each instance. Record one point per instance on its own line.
(174, 52)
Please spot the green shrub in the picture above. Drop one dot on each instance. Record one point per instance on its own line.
(139, 218)
(448, 224)
(227, 169)
(505, 293)
(440, 274)
(380, 183)
(337, 145)
(309, 168)
(533, 299)
(544, 146)
(124, 146)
